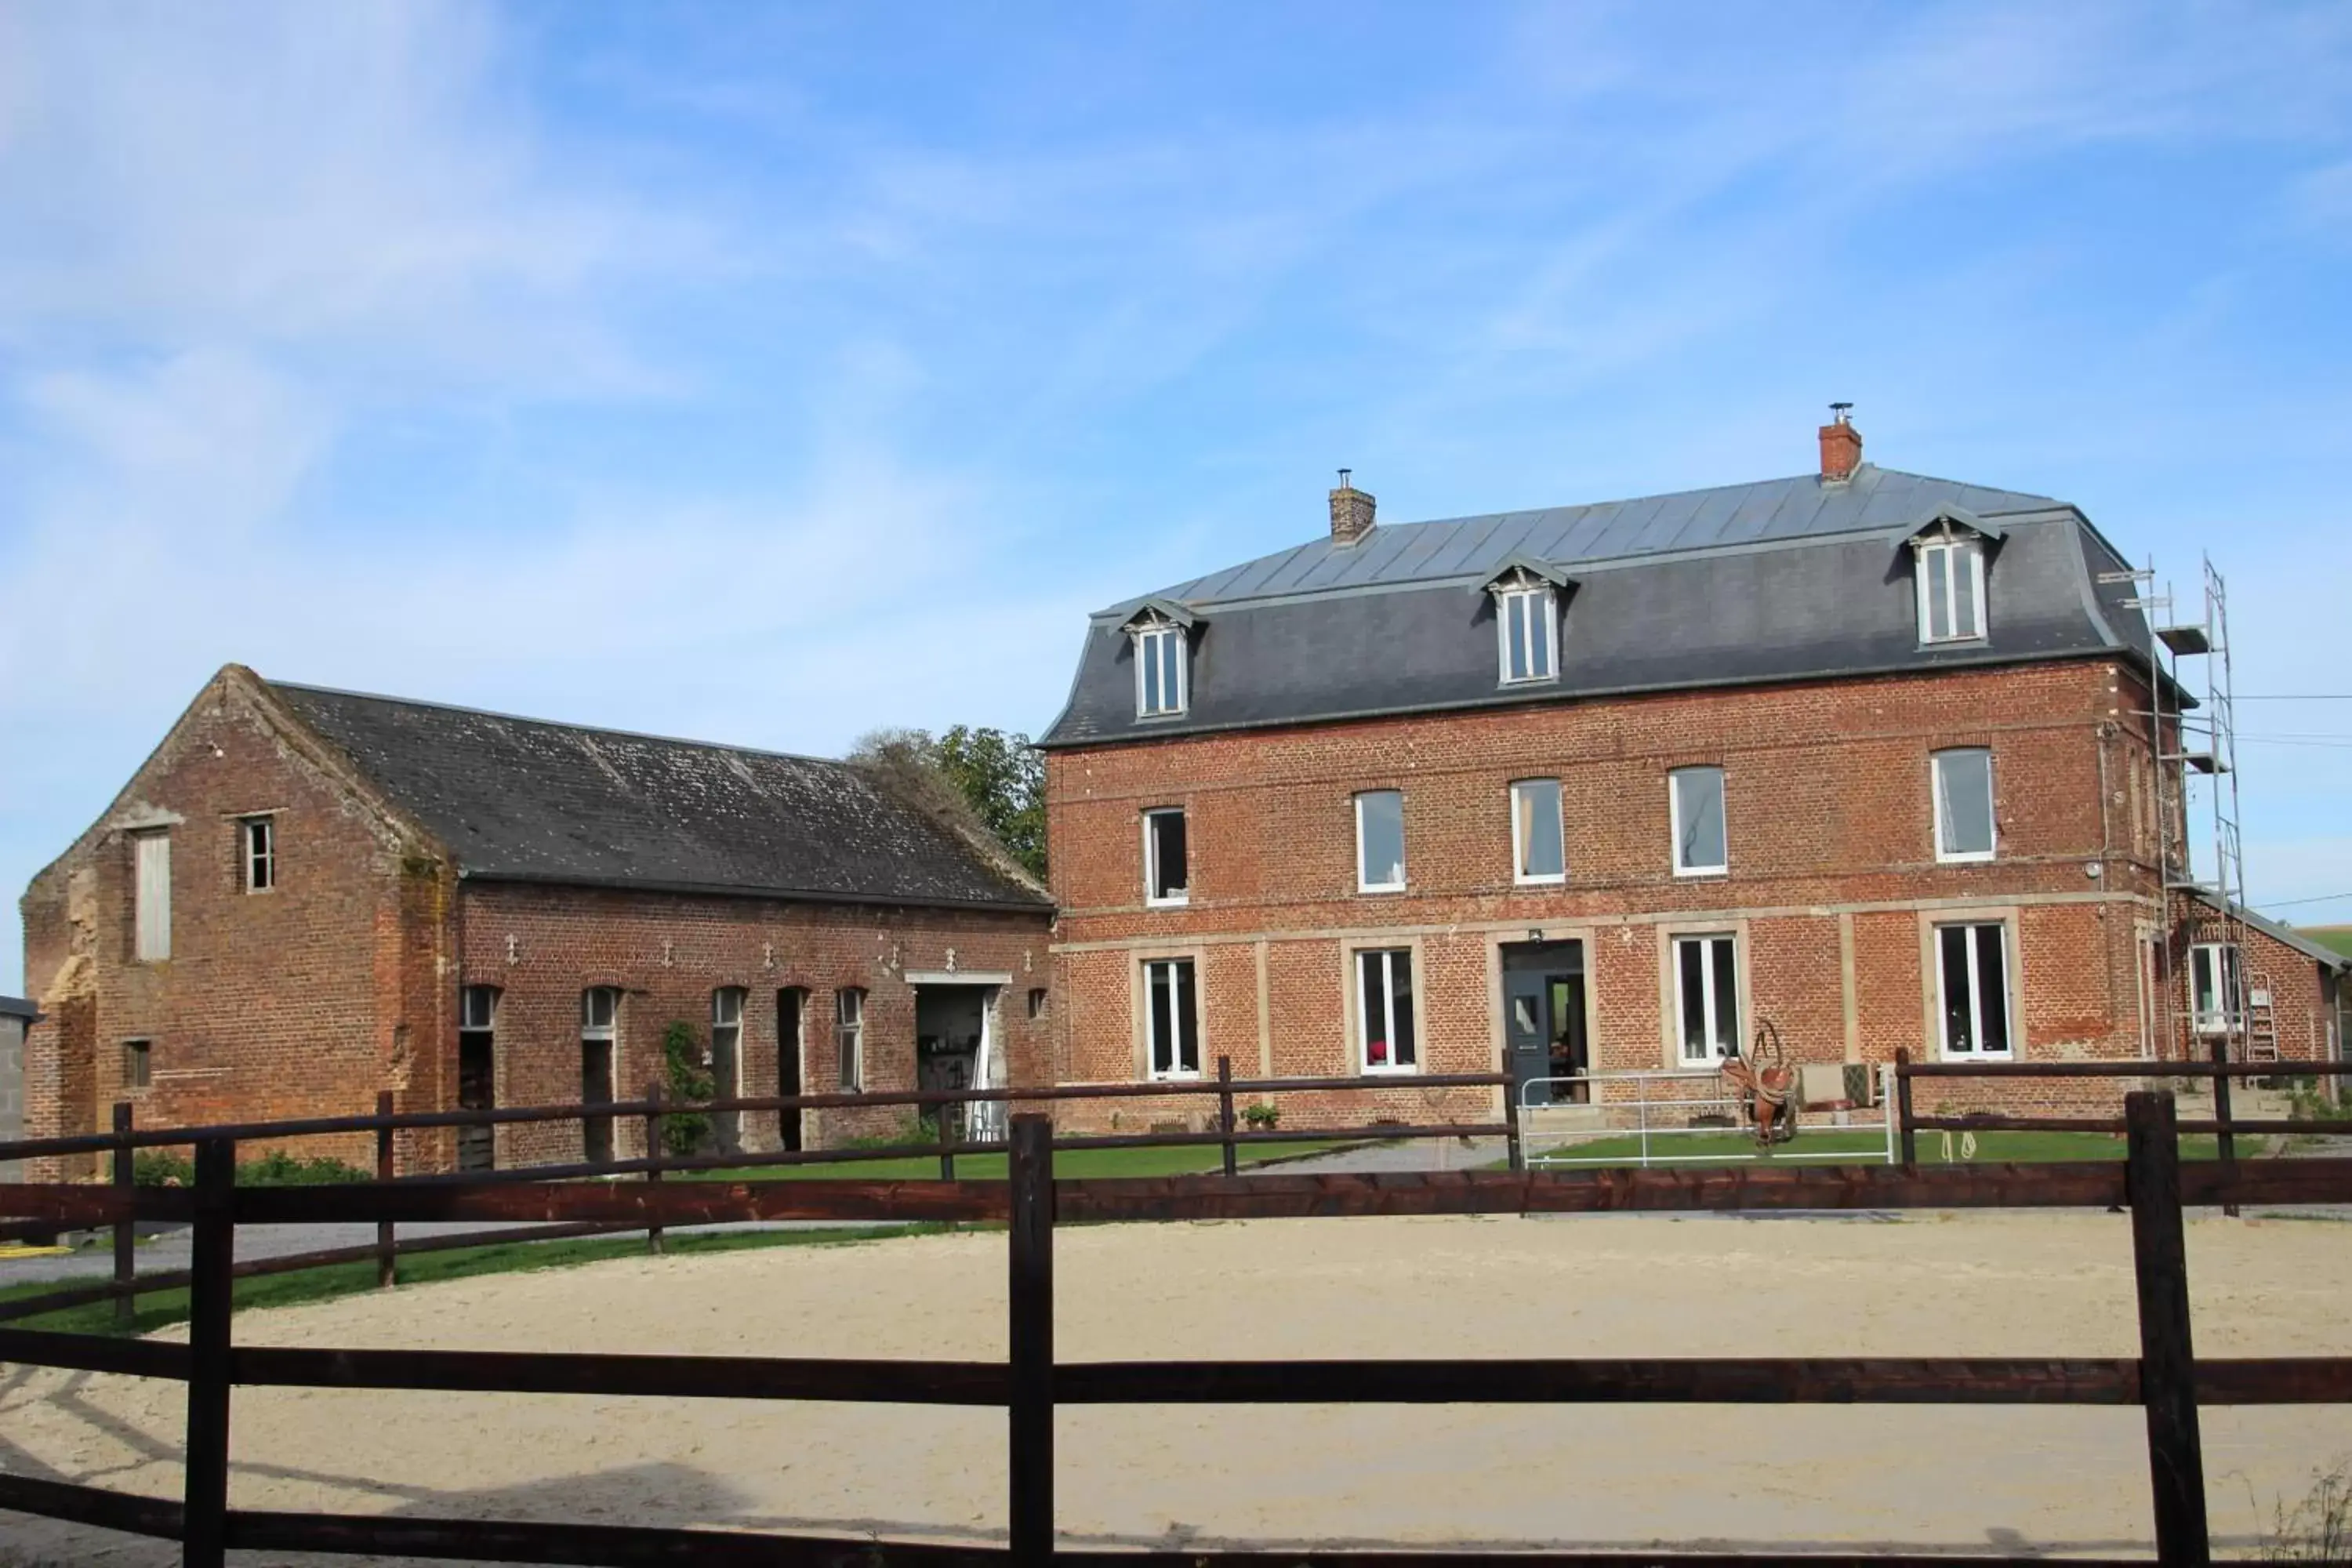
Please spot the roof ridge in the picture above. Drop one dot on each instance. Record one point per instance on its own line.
(842, 762)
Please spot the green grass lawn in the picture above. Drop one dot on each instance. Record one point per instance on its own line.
(1068, 1163)
(2339, 938)
(2023, 1148)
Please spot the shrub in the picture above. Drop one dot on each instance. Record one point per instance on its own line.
(685, 1078)
(2319, 1528)
(169, 1168)
(1263, 1118)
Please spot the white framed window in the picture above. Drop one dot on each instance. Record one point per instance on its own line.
(1539, 850)
(1707, 995)
(1951, 572)
(1695, 813)
(1526, 633)
(1166, 876)
(1172, 1018)
(849, 1037)
(151, 897)
(599, 1012)
(727, 1040)
(599, 1020)
(1963, 797)
(2217, 987)
(1386, 1032)
(1161, 677)
(258, 835)
(1380, 841)
(1973, 989)
(477, 1008)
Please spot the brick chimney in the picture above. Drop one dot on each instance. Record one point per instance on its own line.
(1351, 511)
(1840, 445)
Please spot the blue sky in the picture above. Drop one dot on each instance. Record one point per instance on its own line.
(769, 374)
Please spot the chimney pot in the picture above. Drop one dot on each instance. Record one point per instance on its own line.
(1840, 445)
(1351, 510)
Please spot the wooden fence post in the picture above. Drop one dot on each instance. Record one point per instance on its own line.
(2226, 1141)
(387, 1245)
(1225, 1112)
(2167, 1363)
(205, 1499)
(1908, 1137)
(1030, 1428)
(653, 1157)
(126, 1229)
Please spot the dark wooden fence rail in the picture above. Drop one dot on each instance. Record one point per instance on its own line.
(2165, 1380)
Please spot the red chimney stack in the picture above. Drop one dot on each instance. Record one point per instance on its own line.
(1841, 443)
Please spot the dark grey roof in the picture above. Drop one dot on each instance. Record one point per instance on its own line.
(2326, 957)
(17, 1007)
(524, 800)
(1788, 579)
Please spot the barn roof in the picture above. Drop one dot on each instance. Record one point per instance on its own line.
(527, 800)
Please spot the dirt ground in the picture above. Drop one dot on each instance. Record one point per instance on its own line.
(1523, 1476)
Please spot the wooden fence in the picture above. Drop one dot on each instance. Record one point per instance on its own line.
(2165, 1380)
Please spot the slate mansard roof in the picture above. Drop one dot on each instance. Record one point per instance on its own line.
(1782, 580)
(525, 800)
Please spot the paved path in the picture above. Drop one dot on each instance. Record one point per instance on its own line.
(1404, 1154)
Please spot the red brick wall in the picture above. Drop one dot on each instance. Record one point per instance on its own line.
(1832, 853)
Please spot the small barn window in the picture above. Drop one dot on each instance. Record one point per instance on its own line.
(259, 836)
(151, 897)
(849, 1036)
(138, 1064)
(1037, 1002)
(600, 1013)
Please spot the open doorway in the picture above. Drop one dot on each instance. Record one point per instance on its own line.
(477, 1074)
(955, 1050)
(791, 1003)
(1545, 1045)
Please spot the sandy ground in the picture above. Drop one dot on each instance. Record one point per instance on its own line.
(1564, 1477)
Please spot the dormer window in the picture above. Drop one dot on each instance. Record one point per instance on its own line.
(1161, 631)
(1526, 622)
(1949, 569)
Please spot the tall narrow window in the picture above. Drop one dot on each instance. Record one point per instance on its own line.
(1380, 841)
(1166, 878)
(1384, 1019)
(1964, 804)
(1159, 673)
(477, 1016)
(1695, 803)
(1707, 995)
(600, 1016)
(151, 897)
(259, 835)
(138, 1064)
(849, 1037)
(1527, 632)
(1950, 572)
(1171, 1018)
(2217, 1000)
(1973, 989)
(727, 1040)
(1536, 849)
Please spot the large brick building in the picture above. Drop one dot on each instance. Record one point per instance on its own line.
(1866, 755)
(305, 896)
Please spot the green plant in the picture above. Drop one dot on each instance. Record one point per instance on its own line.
(686, 1078)
(163, 1168)
(1263, 1118)
(2312, 1100)
(2319, 1528)
(169, 1168)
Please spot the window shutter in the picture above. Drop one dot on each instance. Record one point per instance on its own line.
(153, 897)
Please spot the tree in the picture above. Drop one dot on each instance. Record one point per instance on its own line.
(995, 774)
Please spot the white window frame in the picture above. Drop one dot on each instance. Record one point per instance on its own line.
(1363, 885)
(1163, 643)
(1528, 602)
(1711, 1009)
(1944, 852)
(1674, 819)
(1521, 875)
(1975, 995)
(1177, 897)
(2228, 1014)
(151, 897)
(1176, 1070)
(488, 996)
(849, 1038)
(257, 841)
(589, 1029)
(1388, 957)
(1953, 547)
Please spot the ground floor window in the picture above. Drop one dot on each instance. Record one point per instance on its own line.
(138, 1064)
(849, 1034)
(478, 1014)
(1172, 1017)
(1707, 995)
(1972, 983)
(1384, 1018)
(599, 1012)
(2218, 996)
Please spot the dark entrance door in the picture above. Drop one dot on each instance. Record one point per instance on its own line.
(788, 1064)
(1543, 1022)
(476, 1091)
(596, 1088)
